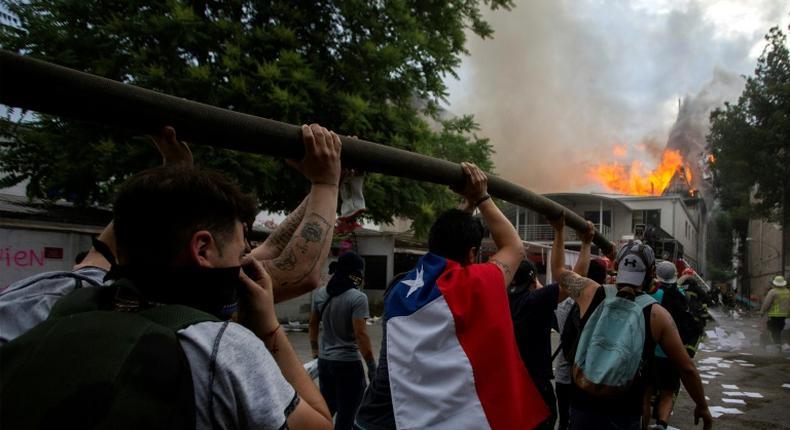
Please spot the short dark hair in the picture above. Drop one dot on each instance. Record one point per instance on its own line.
(525, 274)
(454, 233)
(158, 210)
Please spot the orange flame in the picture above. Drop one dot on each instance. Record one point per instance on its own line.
(635, 179)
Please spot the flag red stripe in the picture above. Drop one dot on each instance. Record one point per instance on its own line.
(477, 298)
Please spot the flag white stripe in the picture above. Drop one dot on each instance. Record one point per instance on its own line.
(431, 378)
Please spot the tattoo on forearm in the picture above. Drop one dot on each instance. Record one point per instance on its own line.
(311, 232)
(573, 283)
(505, 268)
(282, 235)
(286, 261)
(303, 251)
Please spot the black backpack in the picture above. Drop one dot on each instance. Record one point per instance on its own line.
(90, 367)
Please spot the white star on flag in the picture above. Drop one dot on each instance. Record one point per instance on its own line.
(416, 283)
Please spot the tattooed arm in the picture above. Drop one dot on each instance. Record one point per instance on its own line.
(297, 268)
(510, 250)
(579, 288)
(278, 240)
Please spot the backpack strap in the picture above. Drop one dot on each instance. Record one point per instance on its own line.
(176, 317)
(644, 300)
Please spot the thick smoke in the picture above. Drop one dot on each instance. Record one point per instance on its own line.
(688, 133)
(563, 82)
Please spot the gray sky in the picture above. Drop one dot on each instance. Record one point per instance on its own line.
(563, 81)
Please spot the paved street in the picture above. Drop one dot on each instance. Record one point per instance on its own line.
(739, 374)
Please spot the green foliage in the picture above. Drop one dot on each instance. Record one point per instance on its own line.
(751, 140)
(719, 247)
(358, 67)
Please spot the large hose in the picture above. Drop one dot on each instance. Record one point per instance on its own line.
(48, 88)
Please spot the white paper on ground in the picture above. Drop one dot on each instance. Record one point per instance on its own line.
(715, 373)
(740, 361)
(723, 365)
(723, 410)
(706, 382)
(785, 385)
(735, 401)
(704, 368)
(734, 394)
(729, 386)
(753, 395)
(715, 414)
(745, 353)
(707, 376)
(711, 334)
(746, 364)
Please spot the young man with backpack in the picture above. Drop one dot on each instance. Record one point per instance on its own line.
(568, 321)
(156, 348)
(620, 327)
(664, 380)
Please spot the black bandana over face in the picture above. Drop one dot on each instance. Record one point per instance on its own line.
(211, 290)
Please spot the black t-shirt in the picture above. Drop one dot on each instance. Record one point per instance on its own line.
(533, 314)
(629, 403)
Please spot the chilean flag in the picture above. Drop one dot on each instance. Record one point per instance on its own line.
(451, 353)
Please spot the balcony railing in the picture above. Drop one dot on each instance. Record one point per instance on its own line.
(545, 233)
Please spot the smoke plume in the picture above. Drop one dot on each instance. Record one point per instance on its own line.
(563, 82)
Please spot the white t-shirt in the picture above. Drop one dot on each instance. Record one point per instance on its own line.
(235, 377)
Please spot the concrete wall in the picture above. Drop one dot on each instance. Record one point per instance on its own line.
(26, 252)
(763, 256)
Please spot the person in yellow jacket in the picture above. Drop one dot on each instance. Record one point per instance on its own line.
(777, 306)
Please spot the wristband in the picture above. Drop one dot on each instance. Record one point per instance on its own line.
(482, 199)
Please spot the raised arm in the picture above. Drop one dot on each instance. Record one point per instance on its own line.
(297, 269)
(558, 247)
(273, 246)
(174, 152)
(665, 333)
(582, 265)
(510, 250)
(257, 314)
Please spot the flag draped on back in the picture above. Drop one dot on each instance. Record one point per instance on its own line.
(451, 353)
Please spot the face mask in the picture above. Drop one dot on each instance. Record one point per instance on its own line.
(212, 290)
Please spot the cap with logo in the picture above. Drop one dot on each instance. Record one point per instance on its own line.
(633, 261)
(666, 272)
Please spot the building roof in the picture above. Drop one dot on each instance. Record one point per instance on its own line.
(18, 210)
(569, 200)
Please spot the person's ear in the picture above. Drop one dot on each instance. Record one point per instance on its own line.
(202, 249)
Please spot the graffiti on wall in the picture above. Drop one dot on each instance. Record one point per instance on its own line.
(12, 257)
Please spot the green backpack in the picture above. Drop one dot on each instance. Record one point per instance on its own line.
(609, 351)
(89, 367)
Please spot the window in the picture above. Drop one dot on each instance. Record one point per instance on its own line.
(594, 216)
(646, 217)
